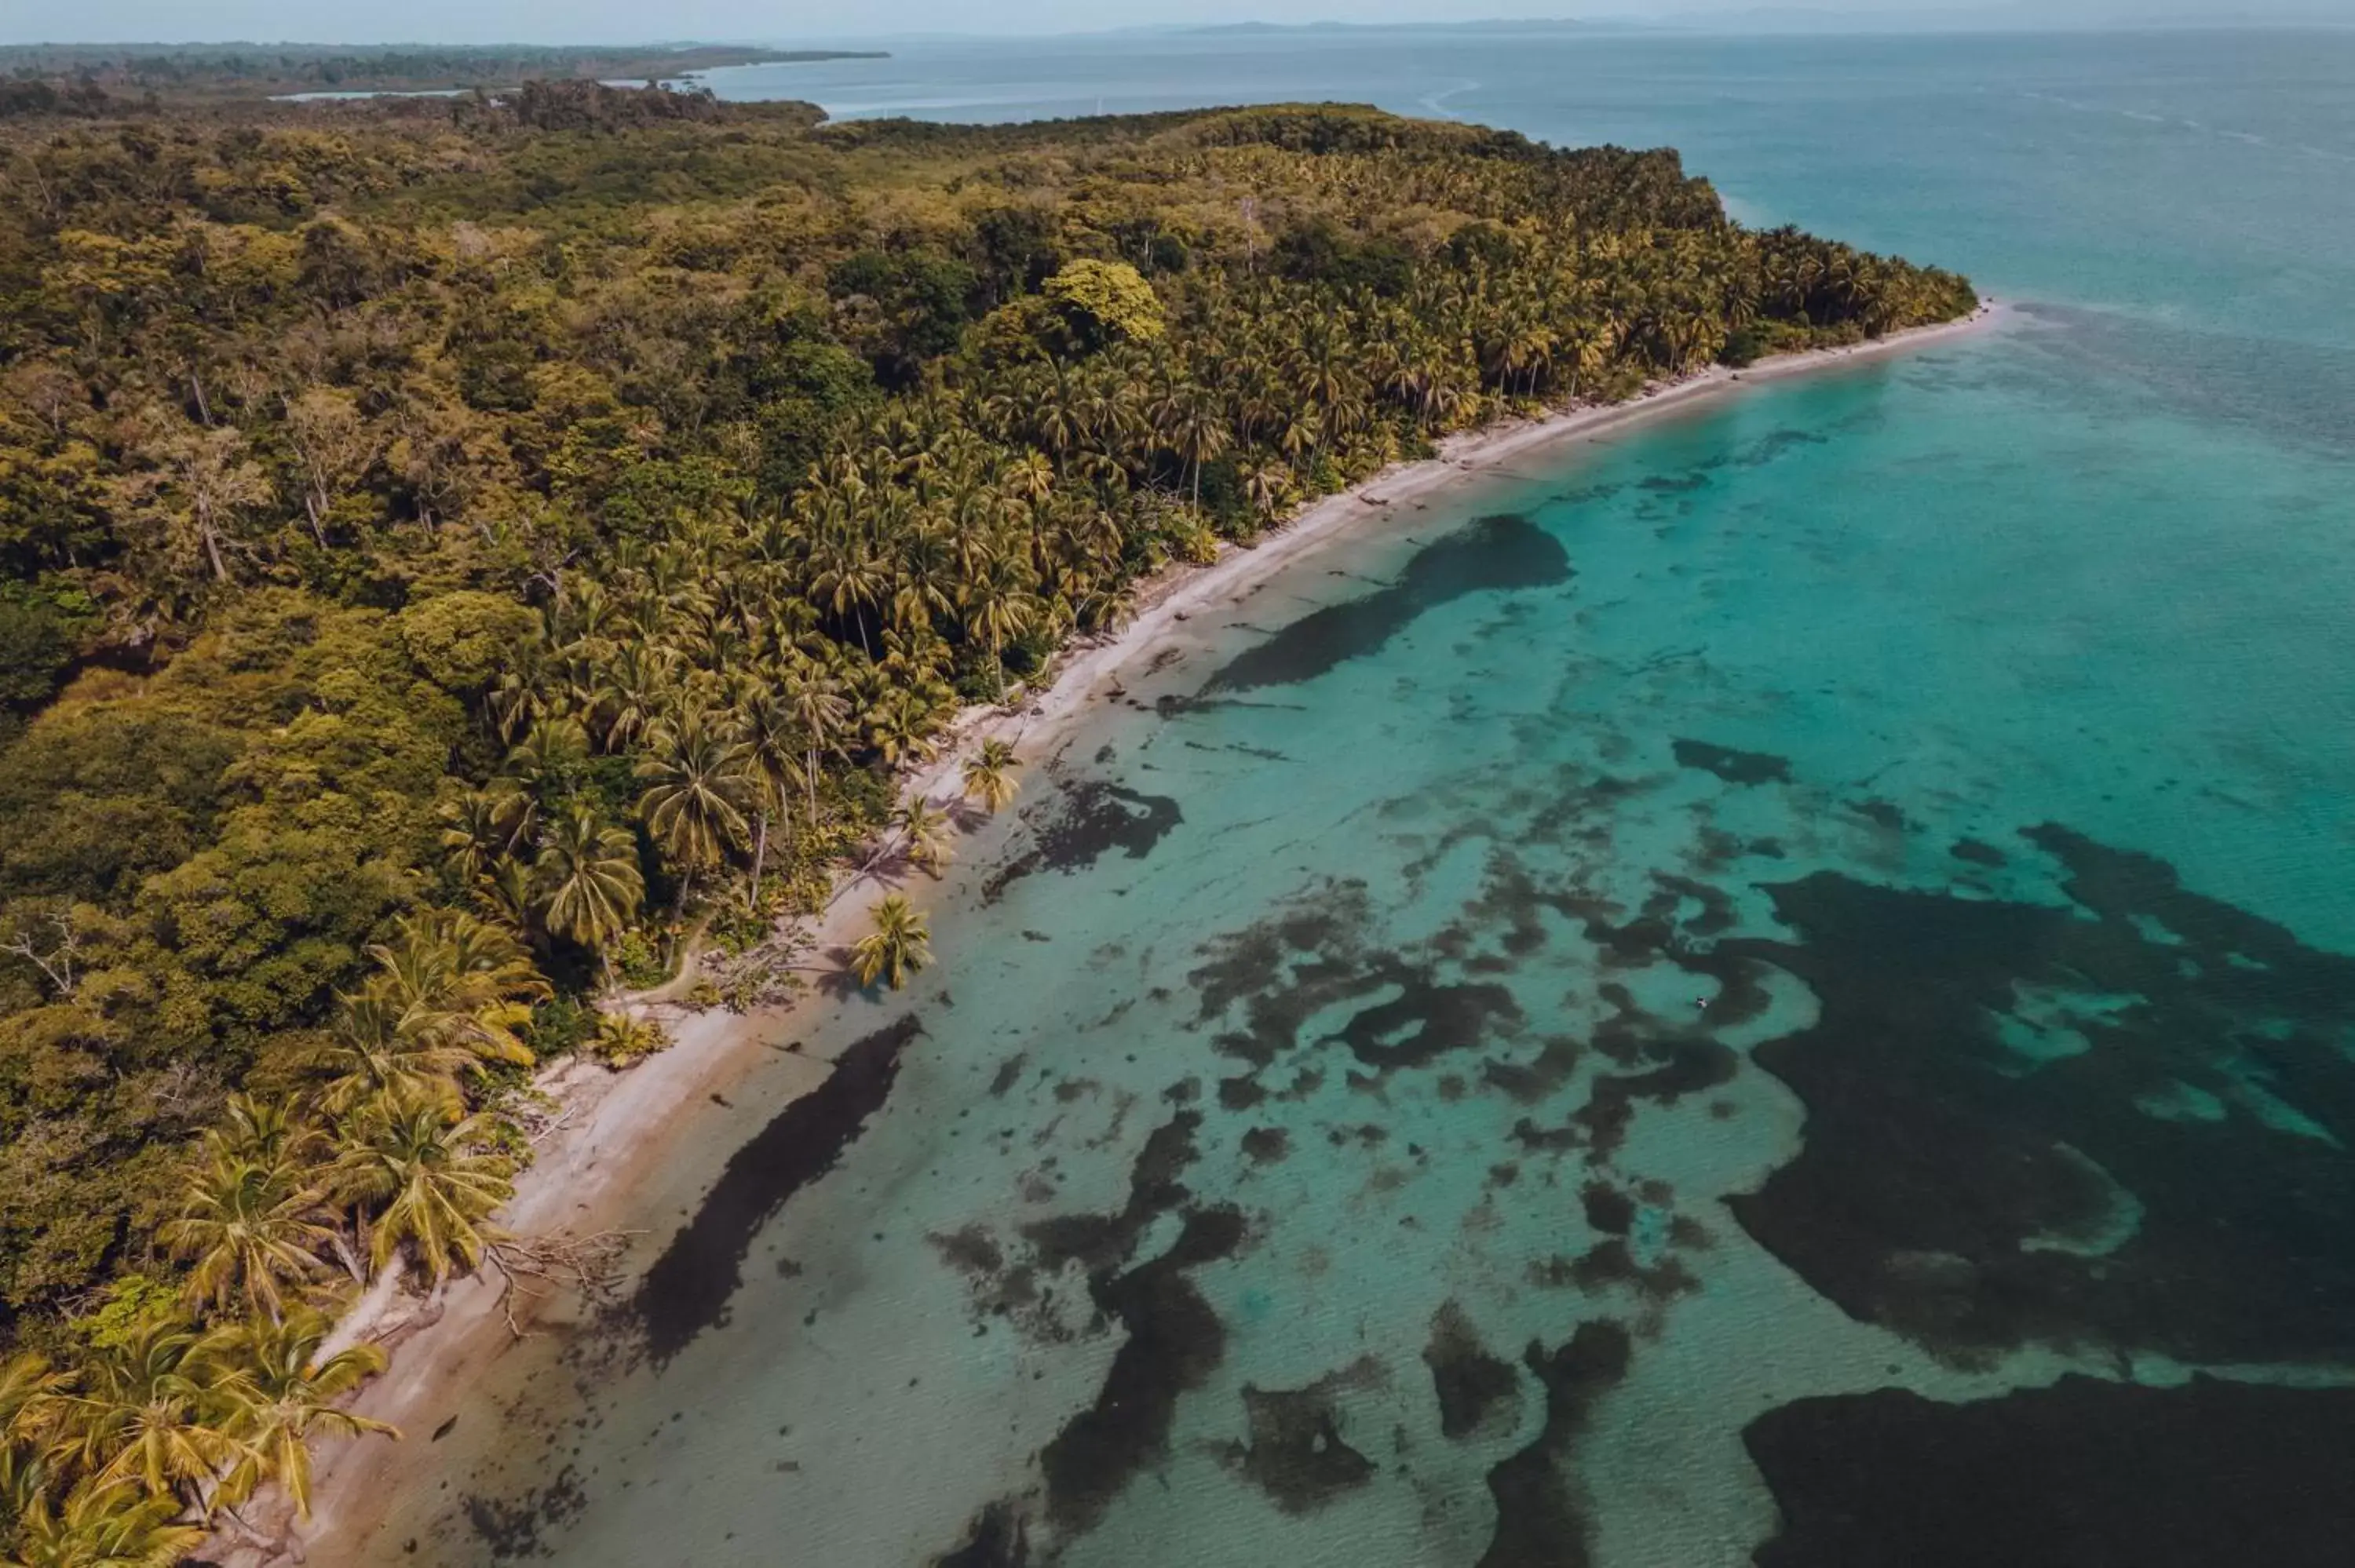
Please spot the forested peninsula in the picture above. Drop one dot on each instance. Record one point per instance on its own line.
(97, 79)
(460, 553)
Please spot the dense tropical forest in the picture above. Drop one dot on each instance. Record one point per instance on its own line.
(457, 552)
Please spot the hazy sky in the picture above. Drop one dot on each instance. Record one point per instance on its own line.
(770, 21)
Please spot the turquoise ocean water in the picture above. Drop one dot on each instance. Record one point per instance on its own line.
(1774, 988)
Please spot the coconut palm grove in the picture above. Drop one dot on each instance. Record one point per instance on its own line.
(467, 558)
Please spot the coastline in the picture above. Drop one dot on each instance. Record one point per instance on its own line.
(612, 1126)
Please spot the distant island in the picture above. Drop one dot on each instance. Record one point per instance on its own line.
(239, 69)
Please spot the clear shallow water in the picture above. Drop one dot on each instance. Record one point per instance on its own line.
(1773, 985)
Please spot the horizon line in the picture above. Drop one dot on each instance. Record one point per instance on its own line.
(1822, 21)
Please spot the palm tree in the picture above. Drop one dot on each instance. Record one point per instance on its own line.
(1266, 483)
(989, 776)
(587, 879)
(1320, 370)
(445, 1002)
(633, 692)
(926, 833)
(772, 754)
(552, 751)
(900, 727)
(1198, 432)
(29, 1387)
(820, 711)
(143, 1413)
(510, 900)
(847, 577)
(454, 979)
(1030, 475)
(1055, 409)
(24, 1485)
(693, 803)
(263, 1128)
(482, 827)
(103, 1525)
(925, 570)
(373, 1054)
(1297, 436)
(997, 607)
(252, 1228)
(283, 1395)
(435, 1182)
(899, 944)
(514, 704)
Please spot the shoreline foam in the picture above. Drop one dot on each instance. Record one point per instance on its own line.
(612, 1124)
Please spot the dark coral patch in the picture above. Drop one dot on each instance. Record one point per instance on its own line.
(1881, 814)
(1538, 1520)
(1608, 1210)
(1428, 1019)
(970, 1250)
(1268, 1145)
(1008, 1074)
(1539, 1139)
(1240, 1094)
(1102, 1242)
(1973, 852)
(513, 1530)
(1312, 956)
(999, 1539)
(1471, 1383)
(1296, 1454)
(1767, 447)
(688, 1289)
(1976, 1195)
(1682, 1067)
(1174, 1342)
(1085, 820)
(1284, 969)
(2084, 1474)
(1174, 1339)
(1499, 552)
(1733, 766)
(1611, 1262)
(1532, 1081)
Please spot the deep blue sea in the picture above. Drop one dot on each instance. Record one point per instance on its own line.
(1817, 1028)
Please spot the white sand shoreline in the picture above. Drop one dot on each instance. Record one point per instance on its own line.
(612, 1126)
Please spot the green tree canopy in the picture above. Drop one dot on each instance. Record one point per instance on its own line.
(1106, 302)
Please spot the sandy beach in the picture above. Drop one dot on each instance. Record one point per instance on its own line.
(607, 1128)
